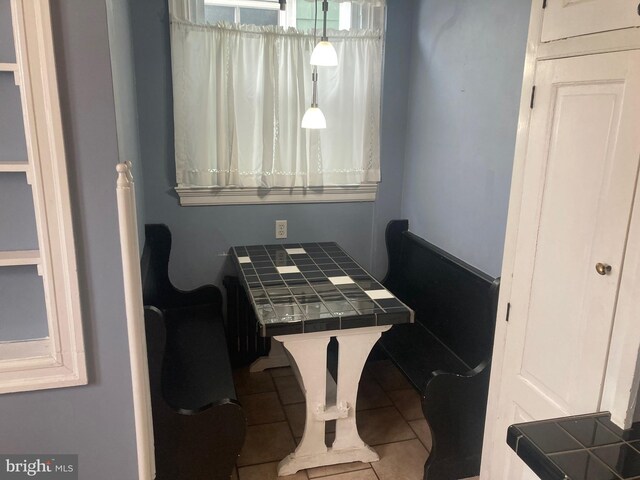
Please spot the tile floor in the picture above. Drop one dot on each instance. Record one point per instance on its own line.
(389, 417)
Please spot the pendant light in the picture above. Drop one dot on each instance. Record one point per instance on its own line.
(314, 118)
(324, 54)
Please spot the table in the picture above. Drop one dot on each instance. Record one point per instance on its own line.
(303, 295)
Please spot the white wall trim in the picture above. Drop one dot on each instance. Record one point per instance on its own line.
(198, 196)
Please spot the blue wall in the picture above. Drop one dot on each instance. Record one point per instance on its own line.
(466, 76)
(124, 94)
(94, 421)
(203, 235)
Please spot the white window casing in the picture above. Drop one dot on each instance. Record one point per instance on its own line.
(58, 360)
(228, 154)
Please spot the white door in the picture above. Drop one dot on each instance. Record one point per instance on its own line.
(579, 183)
(570, 18)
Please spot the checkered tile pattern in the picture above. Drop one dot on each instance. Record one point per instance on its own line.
(312, 287)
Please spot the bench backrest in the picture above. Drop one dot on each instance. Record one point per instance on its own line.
(454, 300)
(156, 286)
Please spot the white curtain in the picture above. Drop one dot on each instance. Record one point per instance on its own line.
(239, 96)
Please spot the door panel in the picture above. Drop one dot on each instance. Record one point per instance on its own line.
(579, 184)
(571, 18)
(585, 121)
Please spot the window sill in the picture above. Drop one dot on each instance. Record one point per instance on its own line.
(198, 196)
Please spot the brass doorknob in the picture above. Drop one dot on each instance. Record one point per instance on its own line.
(603, 268)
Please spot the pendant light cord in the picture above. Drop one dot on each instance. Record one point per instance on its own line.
(325, 11)
(315, 21)
(314, 73)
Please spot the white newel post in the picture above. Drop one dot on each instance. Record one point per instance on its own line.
(135, 321)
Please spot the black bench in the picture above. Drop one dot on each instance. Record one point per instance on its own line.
(446, 353)
(199, 426)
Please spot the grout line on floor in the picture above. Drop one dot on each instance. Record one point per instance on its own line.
(365, 466)
(286, 417)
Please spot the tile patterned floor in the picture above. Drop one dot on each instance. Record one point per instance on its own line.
(389, 417)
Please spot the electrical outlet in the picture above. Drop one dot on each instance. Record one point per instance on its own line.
(281, 229)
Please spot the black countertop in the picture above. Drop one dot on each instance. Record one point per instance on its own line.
(585, 447)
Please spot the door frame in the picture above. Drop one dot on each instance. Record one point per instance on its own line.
(511, 241)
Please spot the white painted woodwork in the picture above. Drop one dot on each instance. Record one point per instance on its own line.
(13, 355)
(572, 18)
(579, 179)
(8, 67)
(614, 41)
(622, 378)
(309, 352)
(135, 322)
(14, 68)
(277, 358)
(15, 258)
(14, 167)
(196, 196)
(58, 360)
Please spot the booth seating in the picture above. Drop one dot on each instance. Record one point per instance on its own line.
(199, 426)
(446, 353)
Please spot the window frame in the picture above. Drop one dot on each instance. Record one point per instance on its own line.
(200, 196)
(57, 360)
(208, 196)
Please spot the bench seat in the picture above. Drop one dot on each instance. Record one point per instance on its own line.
(446, 353)
(196, 371)
(199, 425)
(417, 352)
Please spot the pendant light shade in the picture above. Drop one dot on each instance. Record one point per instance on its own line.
(324, 55)
(314, 119)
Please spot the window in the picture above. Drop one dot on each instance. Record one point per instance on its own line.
(249, 12)
(240, 91)
(299, 14)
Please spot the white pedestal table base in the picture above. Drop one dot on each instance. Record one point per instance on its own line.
(309, 351)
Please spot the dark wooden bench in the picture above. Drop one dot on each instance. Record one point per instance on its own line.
(199, 426)
(446, 353)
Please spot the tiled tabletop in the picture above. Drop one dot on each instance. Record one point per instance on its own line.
(586, 447)
(310, 287)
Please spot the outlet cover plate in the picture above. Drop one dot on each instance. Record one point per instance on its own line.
(281, 229)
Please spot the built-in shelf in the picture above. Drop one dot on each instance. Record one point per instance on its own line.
(58, 360)
(14, 167)
(12, 68)
(8, 67)
(15, 258)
